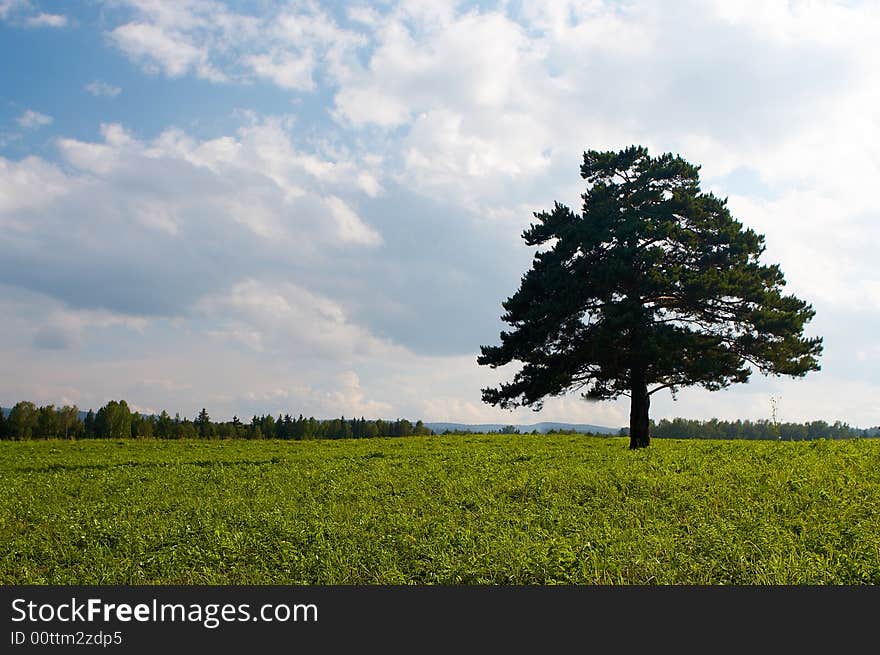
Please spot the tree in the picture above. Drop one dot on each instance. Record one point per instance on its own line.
(22, 420)
(403, 428)
(89, 425)
(299, 428)
(141, 425)
(68, 421)
(267, 426)
(203, 425)
(653, 286)
(186, 429)
(145, 426)
(135, 425)
(113, 421)
(47, 422)
(164, 425)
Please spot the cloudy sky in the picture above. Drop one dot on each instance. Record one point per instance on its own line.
(265, 206)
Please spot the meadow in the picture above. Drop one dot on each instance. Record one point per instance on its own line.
(493, 509)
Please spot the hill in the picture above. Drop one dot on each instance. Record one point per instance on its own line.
(540, 427)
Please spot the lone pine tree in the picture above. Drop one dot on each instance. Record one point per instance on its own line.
(653, 286)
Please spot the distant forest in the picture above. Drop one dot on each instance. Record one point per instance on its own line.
(115, 420)
(680, 428)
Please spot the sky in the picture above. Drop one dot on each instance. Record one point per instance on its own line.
(262, 207)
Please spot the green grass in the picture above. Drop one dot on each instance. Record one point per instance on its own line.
(440, 510)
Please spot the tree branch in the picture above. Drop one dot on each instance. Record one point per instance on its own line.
(663, 386)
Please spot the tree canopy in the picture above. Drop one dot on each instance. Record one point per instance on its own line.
(654, 285)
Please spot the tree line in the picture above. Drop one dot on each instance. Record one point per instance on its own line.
(680, 428)
(115, 420)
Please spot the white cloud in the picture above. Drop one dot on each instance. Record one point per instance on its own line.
(287, 71)
(473, 60)
(365, 104)
(299, 352)
(492, 100)
(99, 88)
(47, 324)
(289, 318)
(349, 226)
(160, 50)
(31, 183)
(46, 20)
(349, 396)
(65, 328)
(31, 120)
(23, 13)
(345, 397)
(303, 357)
(157, 216)
(282, 44)
(824, 245)
(134, 209)
(99, 158)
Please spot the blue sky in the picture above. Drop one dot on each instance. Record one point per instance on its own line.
(267, 206)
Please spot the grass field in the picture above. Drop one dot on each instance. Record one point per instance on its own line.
(440, 510)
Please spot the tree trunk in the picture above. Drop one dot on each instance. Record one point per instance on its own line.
(640, 403)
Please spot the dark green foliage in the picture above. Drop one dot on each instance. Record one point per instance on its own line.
(142, 426)
(654, 285)
(680, 428)
(164, 426)
(113, 421)
(203, 425)
(47, 422)
(69, 425)
(89, 425)
(22, 420)
(185, 429)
